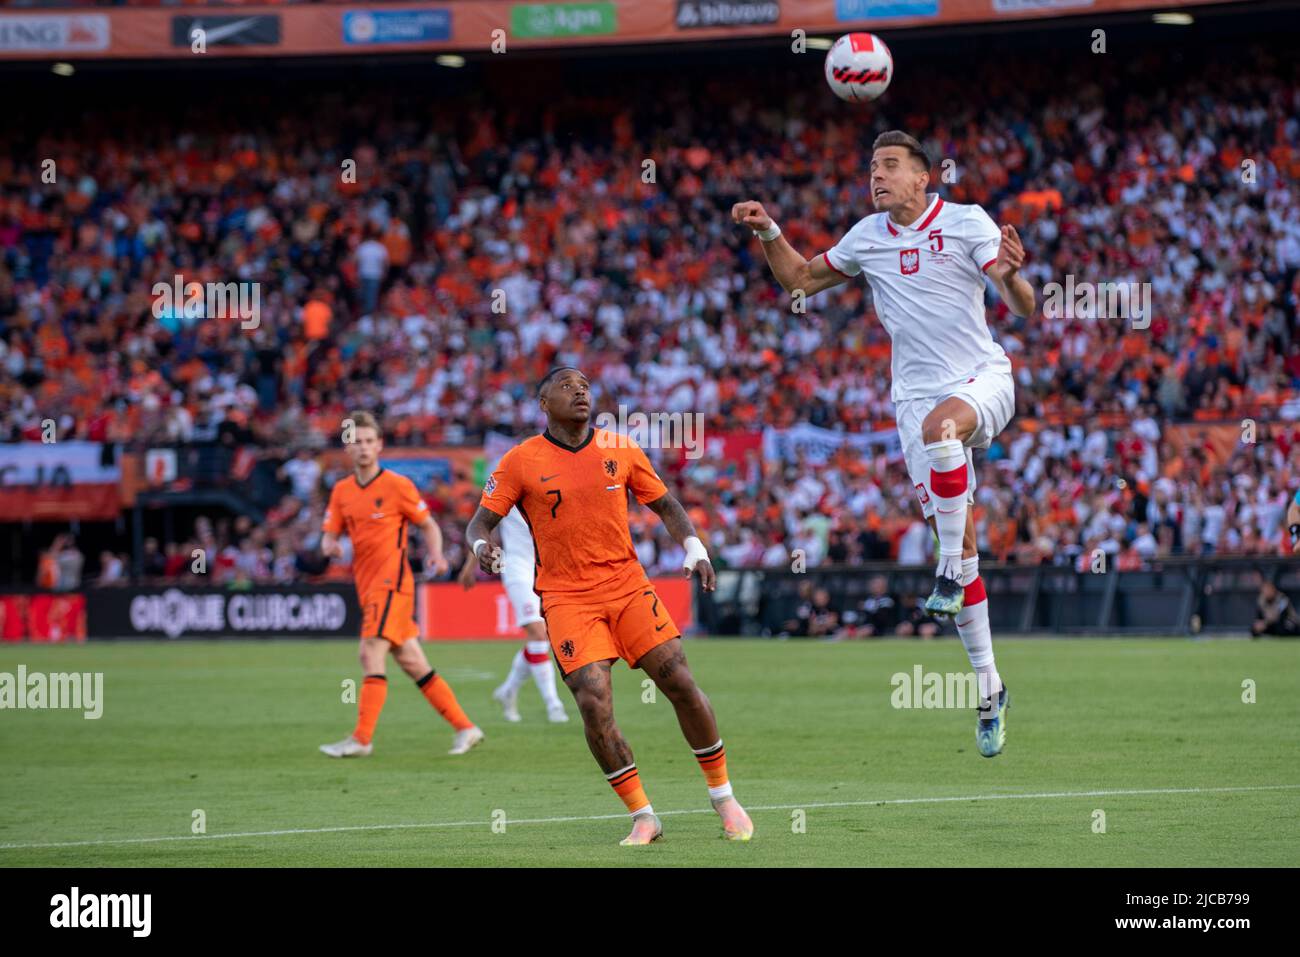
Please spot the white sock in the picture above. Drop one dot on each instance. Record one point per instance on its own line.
(949, 482)
(543, 673)
(518, 672)
(973, 627)
(720, 792)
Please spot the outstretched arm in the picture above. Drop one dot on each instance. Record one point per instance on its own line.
(479, 533)
(682, 529)
(1014, 288)
(791, 270)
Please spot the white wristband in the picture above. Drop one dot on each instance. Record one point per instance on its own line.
(695, 553)
(481, 541)
(769, 234)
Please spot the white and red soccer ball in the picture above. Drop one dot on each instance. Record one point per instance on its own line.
(859, 67)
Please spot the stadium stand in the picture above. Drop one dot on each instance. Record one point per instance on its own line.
(379, 293)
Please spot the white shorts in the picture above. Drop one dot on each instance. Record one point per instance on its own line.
(991, 393)
(518, 564)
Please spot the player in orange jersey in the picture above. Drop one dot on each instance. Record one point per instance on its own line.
(571, 485)
(373, 505)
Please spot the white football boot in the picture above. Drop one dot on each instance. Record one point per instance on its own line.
(464, 740)
(349, 747)
(646, 829)
(508, 698)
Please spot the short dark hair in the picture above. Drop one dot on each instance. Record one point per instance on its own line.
(908, 142)
(546, 379)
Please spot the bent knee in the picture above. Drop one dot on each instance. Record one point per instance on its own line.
(940, 429)
(596, 704)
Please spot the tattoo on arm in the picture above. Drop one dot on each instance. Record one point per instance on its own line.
(481, 525)
(673, 516)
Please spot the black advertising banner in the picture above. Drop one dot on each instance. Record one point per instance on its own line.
(226, 31)
(289, 611)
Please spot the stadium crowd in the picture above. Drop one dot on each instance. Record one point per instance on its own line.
(481, 242)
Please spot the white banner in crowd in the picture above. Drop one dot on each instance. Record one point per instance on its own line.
(495, 445)
(815, 445)
(57, 463)
(58, 481)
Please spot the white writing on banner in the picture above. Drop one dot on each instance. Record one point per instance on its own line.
(816, 445)
(53, 33)
(176, 613)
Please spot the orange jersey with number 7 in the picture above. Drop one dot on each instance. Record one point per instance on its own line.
(574, 500)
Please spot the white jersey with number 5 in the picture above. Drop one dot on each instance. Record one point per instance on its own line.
(927, 280)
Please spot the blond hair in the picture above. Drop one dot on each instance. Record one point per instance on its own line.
(365, 420)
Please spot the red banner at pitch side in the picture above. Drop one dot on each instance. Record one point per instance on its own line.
(449, 613)
(43, 618)
(52, 33)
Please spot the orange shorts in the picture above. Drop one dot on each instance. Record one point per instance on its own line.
(624, 627)
(390, 615)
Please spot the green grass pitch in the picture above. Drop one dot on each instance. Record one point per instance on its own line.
(1196, 776)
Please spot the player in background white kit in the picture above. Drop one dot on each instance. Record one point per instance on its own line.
(517, 565)
(925, 260)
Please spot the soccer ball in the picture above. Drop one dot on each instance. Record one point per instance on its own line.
(859, 67)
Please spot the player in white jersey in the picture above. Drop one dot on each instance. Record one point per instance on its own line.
(925, 260)
(517, 565)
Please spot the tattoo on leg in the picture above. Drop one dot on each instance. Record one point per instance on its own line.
(590, 677)
(607, 744)
(666, 669)
(621, 752)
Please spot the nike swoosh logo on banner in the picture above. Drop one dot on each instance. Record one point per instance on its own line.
(217, 34)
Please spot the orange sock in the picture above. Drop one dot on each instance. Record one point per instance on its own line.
(713, 762)
(443, 699)
(374, 689)
(627, 785)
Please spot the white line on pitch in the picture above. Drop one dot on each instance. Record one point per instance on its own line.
(609, 817)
